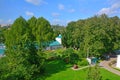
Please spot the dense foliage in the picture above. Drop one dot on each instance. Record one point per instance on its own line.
(2, 38)
(41, 31)
(25, 41)
(93, 36)
(94, 73)
(58, 29)
(23, 60)
(69, 56)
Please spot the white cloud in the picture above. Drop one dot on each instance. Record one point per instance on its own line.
(9, 20)
(56, 21)
(68, 21)
(116, 6)
(113, 9)
(55, 14)
(61, 7)
(61, 22)
(72, 10)
(36, 2)
(28, 13)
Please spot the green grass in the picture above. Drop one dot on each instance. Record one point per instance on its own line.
(116, 68)
(58, 70)
(109, 75)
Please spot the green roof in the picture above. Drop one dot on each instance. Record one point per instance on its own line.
(54, 43)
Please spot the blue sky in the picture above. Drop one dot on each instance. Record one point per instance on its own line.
(57, 11)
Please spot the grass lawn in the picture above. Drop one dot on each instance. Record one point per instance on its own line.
(58, 70)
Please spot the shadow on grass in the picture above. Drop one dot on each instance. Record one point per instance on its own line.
(55, 66)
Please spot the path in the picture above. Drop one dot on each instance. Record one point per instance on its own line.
(105, 64)
(81, 68)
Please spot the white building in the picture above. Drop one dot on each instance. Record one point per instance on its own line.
(118, 61)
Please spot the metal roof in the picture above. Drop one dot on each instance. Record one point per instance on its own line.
(54, 43)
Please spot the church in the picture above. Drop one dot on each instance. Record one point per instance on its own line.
(57, 43)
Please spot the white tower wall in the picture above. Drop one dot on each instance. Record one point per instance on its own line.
(59, 40)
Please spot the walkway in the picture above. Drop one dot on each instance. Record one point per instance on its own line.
(81, 68)
(105, 64)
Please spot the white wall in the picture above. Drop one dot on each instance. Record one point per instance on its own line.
(59, 40)
(118, 61)
(89, 60)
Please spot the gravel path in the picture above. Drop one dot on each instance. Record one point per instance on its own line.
(105, 64)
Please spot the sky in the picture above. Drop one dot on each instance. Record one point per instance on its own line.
(57, 11)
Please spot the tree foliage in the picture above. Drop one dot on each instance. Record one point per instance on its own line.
(23, 60)
(58, 29)
(94, 73)
(43, 32)
(32, 25)
(93, 36)
(2, 38)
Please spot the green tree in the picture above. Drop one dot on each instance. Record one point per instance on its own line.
(23, 62)
(57, 29)
(44, 33)
(93, 36)
(32, 25)
(67, 38)
(2, 30)
(94, 73)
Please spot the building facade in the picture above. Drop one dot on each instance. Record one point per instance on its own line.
(55, 44)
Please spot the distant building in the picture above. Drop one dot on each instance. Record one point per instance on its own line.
(92, 60)
(5, 25)
(55, 44)
(2, 50)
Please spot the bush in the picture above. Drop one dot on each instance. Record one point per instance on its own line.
(50, 55)
(3, 68)
(74, 58)
(83, 62)
(69, 56)
(56, 54)
(81, 54)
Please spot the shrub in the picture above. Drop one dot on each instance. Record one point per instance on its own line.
(69, 56)
(51, 55)
(83, 62)
(81, 54)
